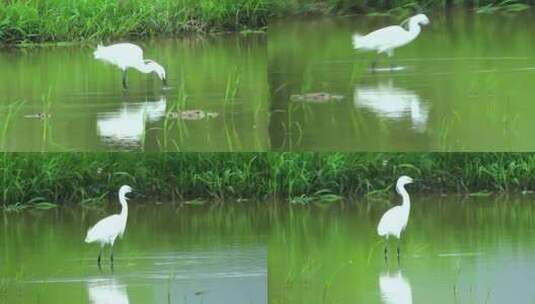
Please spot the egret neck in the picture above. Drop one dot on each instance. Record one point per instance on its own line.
(143, 67)
(124, 206)
(406, 201)
(414, 29)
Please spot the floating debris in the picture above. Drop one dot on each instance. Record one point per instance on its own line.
(40, 115)
(321, 97)
(192, 115)
(200, 292)
(195, 202)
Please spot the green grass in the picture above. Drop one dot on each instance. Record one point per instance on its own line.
(38, 21)
(44, 180)
(66, 20)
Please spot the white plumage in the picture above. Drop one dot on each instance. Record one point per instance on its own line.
(387, 39)
(128, 55)
(394, 221)
(106, 231)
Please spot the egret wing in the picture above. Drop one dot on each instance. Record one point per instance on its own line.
(388, 223)
(380, 39)
(104, 230)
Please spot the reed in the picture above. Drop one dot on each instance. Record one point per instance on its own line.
(301, 178)
(37, 21)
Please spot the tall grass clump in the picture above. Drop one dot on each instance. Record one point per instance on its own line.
(63, 178)
(66, 20)
(286, 7)
(35, 21)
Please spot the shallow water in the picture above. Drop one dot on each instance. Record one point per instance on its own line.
(455, 250)
(89, 111)
(168, 255)
(465, 84)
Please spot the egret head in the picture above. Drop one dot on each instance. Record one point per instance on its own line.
(124, 190)
(157, 69)
(420, 19)
(404, 180)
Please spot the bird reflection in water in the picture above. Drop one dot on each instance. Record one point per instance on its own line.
(126, 127)
(107, 291)
(393, 103)
(395, 288)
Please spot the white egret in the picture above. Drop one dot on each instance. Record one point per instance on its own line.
(394, 221)
(108, 229)
(128, 55)
(387, 39)
(395, 288)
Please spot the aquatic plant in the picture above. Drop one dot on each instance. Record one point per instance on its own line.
(62, 20)
(32, 21)
(43, 180)
(11, 112)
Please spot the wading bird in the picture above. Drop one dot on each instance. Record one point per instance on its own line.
(387, 39)
(108, 229)
(128, 55)
(395, 220)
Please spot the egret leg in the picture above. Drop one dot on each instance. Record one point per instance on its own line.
(392, 64)
(124, 79)
(374, 64)
(390, 55)
(386, 252)
(99, 255)
(111, 257)
(398, 249)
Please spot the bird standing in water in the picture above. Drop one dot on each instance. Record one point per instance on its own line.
(387, 39)
(395, 220)
(106, 231)
(128, 55)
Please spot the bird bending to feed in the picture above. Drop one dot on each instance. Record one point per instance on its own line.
(128, 55)
(387, 39)
(395, 220)
(108, 229)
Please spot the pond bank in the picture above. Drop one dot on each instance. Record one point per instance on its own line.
(60, 21)
(28, 178)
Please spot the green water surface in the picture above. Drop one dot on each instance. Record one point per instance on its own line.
(169, 254)
(89, 110)
(466, 84)
(454, 250)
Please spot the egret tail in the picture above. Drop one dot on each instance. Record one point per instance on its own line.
(363, 43)
(357, 41)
